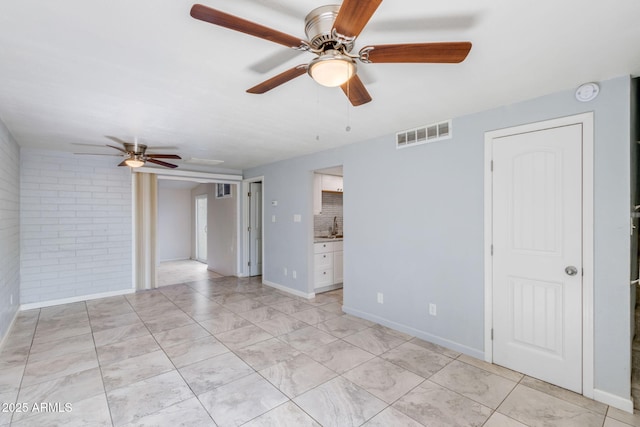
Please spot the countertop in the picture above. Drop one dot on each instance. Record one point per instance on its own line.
(320, 239)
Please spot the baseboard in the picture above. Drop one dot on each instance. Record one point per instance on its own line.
(4, 338)
(51, 303)
(478, 354)
(178, 259)
(288, 290)
(613, 400)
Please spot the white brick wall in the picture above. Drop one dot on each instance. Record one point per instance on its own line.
(9, 229)
(75, 225)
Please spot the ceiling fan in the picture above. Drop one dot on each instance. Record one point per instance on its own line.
(135, 154)
(331, 32)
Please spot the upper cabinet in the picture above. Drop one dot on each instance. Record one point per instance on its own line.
(332, 183)
(321, 182)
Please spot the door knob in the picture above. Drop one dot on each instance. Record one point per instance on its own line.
(571, 270)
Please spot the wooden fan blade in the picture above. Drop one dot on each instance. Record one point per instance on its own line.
(354, 15)
(122, 163)
(216, 17)
(163, 156)
(116, 140)
(447, 52)
(98, 154)
(117, 148)
(281, 78)
(355, 91)
(161, 163)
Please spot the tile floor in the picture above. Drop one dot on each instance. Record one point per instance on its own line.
(229, 352)
(188, 270)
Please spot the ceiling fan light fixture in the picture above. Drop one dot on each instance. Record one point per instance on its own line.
(332, 68)
(134, 162)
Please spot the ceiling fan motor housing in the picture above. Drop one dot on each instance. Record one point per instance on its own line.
(135, 148)
(318, 26)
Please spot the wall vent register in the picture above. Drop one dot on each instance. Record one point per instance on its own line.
(424, 134)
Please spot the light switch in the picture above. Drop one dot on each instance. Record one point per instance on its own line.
(273, 218)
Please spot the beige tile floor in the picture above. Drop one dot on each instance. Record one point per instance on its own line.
(228, 352)
(188, 270)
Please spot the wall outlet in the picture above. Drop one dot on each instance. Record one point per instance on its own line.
(432, 309)
(294, 275)
(11, 300)
(297, 218)
(285, 271)
(273, 218)
(380, 298)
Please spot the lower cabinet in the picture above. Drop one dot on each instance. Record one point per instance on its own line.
(327, 264)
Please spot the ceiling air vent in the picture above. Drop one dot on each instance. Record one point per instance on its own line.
(424, 134)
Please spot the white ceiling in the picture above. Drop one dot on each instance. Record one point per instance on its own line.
(73, 71)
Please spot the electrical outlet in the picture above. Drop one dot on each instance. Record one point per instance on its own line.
(433, 309)
(11, 300)
(273, 218)
(380, 298)
(294, 275)
(285, 271)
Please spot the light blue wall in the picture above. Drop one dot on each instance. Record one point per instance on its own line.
(413, 222)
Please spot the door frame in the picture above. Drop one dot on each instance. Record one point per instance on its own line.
(197, 217)
(586, 120)
(245, 271)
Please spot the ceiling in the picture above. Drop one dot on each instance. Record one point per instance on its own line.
(73, 71)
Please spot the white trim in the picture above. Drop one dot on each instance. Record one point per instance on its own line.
(289, 290)
(51, 303)
(613, 400)
(244, 270)
(586, 120)
(195, 235)
(194, 176)
(8, 331)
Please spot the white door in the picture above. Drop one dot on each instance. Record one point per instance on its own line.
(255, 229)
(201, 228)
(537, 254)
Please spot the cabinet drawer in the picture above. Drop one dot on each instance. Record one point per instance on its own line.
(337, 246)
(323, 278)
(320, 248)
(323, 261)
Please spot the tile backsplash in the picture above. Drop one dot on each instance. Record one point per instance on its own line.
(331, 207)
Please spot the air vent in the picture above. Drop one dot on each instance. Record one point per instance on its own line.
(424, 134)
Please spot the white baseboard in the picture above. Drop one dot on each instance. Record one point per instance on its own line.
(51, 303)
(416, 333)
(613, 400)
(289, 290)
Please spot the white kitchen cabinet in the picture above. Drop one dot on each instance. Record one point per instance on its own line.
(337, 267)
(327, 264)
(332, 183)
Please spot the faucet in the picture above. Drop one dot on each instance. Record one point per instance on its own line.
(334, 228)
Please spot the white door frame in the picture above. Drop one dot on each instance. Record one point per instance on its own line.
(245, 270)
(586, 119)
(197, 221)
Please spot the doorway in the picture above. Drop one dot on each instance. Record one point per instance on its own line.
(538, 227)
(201, 228)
